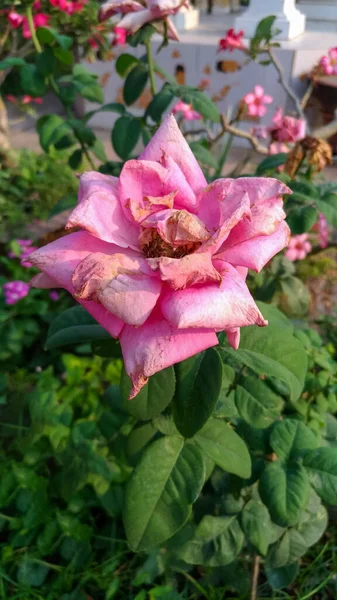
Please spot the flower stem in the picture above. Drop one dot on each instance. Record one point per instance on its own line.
(151, 67)
(30, 20)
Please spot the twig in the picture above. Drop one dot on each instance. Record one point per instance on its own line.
(195, 132)
(325, 131)
(307, 94)
(285, 84)
(255, 577)
(245, 135)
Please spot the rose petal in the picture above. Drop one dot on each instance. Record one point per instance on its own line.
(157, 345)
(100, 213)
(186, 271)
(227, 306)
(170, 141)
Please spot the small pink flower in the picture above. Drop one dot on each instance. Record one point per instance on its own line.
(329, 63)
(256, 102)
(120, 36)
(11, 98)
(231, 41)
(278, 147)
(187, 111)
(26, 248)
(286, 129)
(298, 247)
(15, 19)
(15, 290)
(37, 5)
(28, 99)
(40, 20)
(93, 43)
(161, 257)
(54, 296)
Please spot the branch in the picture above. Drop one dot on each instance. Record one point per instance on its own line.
(325, 131)
(226, 127)
(195, 132)
(285, 84)
(307, 94)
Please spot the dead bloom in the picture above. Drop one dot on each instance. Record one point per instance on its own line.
(316, 152)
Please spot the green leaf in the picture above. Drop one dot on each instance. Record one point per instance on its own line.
(111, 107)
(64, 56)
(271, 163)
(139, 438)
(159, 103)
(200, 102)
(12, 61)
(198, 387)
(51, 129)
(82, 131)
(257, 403)
(161, 491)
(301, 218)
(135, 83)
(153, 398)
(92, 91)
(291, 438)
(97, 148)
(321, 466)
(32, 573)
(295, 541)
(141, 36)
(46, 62)
(283, 576)
(124, 64)
(203, 156)
(256, 524)
(224, 447)
(32, 81)
(304, 189)
(263, 29)
(216, 542)
(47, 35)
(285, 492)
(125, 135)
(272, 351)
(75, 159)
(65, 203)
(328, 206)
(108, 348)
(74, 326)
(294, 296)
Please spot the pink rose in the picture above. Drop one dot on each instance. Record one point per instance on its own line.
(186, 111)
(298, 247)
(120, 36)
(15, 19)
(136, 14)
(256, 102)
(231, 41)
(162, 257)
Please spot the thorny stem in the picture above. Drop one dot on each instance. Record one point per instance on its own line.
(255, 577)
(151, 67)
(54, 85)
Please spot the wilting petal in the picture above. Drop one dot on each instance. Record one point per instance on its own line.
(135, 20)
(140, 179)
(233, 336)
(113, 7)
(227, 306)
(223, 204)
(59, 260)
(44, 282)
(131, 297)
(185, 197)
(168, 140)
(266, 208)
(256, 252)
(157, 345)
(100, 213)
(184, 272)
(177, 227)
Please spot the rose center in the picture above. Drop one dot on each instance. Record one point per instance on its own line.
(153, 246)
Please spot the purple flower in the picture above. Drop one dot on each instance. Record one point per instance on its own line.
(54, 296)
(15, 290)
